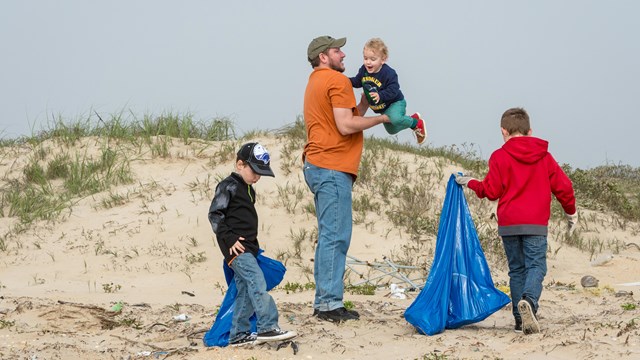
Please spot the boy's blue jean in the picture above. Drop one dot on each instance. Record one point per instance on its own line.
(527, 258)
(332, 197)
(397, 113)
(252, 297)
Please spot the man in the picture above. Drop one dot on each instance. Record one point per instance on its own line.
(331, 158)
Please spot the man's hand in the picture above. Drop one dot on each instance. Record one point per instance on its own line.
(237, 248)
(572, 222)
(463, 180)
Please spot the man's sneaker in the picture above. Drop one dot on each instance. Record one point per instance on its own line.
(518, 327)
(529, 321)
(275, 335)
(420, 130)
(245, 339)
(352, 312)
(337, 315)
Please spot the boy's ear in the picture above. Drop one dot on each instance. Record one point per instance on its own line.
(529, 132)
(505, 134)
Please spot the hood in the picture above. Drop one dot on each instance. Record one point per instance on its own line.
(526, 149)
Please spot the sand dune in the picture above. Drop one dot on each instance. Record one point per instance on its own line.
(153, 252)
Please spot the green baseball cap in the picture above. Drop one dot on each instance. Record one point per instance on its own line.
(323, 43)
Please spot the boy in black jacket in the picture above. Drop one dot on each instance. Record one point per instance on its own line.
(234, 220)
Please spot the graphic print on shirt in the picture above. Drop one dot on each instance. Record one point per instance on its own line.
(372, 85)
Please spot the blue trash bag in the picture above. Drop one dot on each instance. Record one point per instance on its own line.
(218, 335)
(459, 289)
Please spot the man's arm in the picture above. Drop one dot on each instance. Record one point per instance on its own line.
(348, 124)
(363, 106)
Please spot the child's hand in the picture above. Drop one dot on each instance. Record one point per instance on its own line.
(572, 222)
(375, 97)
(463, 180)
(237, 248)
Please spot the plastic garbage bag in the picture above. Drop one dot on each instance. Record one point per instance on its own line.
(218, 335)
(459, 289)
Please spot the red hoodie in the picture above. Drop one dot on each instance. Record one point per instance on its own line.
(523, 175)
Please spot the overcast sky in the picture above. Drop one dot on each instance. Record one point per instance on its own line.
(574, 65)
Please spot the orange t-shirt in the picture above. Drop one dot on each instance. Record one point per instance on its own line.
(326, 147)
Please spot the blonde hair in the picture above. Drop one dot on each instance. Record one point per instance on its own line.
(378, 46)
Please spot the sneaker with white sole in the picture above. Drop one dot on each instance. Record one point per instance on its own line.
(529, 321)
(244, 340)
(275, 335)
(420, 130)
(518, 327)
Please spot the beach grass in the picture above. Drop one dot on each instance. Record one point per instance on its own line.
(57, 170)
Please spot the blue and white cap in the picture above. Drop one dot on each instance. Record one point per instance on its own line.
(257, 157)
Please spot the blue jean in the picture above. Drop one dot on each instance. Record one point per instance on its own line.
(252, 297)
(527, 258)
(397, 113)
(332, 197)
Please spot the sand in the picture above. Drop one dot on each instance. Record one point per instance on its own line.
(154, 255)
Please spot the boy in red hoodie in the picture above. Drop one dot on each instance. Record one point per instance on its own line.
(522, 176)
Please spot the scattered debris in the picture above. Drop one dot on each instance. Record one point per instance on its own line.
(379, 271)
(628, 245)
(589, 281)
(293, 344)
(602, 260)
(397, 292)
(623, 293)
(182, 317)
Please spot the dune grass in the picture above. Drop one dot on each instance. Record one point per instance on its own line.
(610, 188)
(55, 172)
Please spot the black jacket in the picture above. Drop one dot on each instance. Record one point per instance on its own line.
(232, 214)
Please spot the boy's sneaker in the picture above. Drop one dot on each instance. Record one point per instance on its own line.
(529, 321)
(275, 335)
(337, 315)
(518, 327)
(420, 130)
(245, 339)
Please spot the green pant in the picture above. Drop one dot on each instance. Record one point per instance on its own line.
(397, 113)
